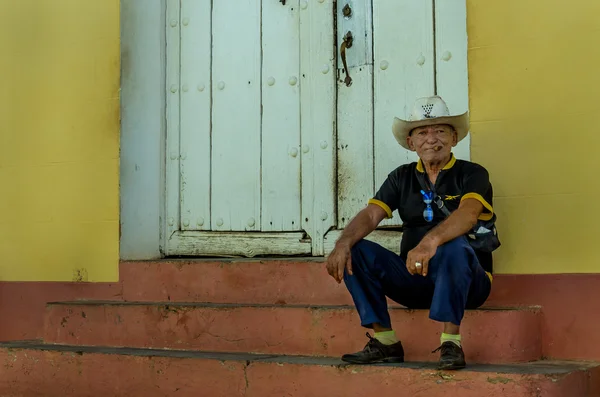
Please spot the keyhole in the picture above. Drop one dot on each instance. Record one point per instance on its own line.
(347, 11)
(348, 39)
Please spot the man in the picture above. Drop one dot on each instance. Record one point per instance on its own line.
(437, 269)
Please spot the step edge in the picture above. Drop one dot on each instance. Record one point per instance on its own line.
(226, 260)
(540, 367)
(520, 308)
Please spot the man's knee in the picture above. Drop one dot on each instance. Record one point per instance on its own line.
(455, 248)
(361, 247)
(363, 255)
(456, 254)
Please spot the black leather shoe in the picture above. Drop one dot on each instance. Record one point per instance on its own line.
(451, 357)
(376, 352)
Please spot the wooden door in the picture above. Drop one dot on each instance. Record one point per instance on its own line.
(266, 154)
(250, 151)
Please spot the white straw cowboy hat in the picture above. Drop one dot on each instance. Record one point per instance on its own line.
(429, 111)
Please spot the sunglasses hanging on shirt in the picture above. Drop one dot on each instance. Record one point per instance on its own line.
(428, 211)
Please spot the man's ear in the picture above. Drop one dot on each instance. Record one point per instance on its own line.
(410, 143)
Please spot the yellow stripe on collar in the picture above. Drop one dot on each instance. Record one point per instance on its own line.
(450, 164)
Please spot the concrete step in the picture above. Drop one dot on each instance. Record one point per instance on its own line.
(66, 371)
(269, 281)
(489, 336)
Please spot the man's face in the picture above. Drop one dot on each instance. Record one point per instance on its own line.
(432, 143)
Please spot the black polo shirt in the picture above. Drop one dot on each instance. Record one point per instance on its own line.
(457, 181)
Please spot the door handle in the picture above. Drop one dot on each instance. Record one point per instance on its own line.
(347, 43)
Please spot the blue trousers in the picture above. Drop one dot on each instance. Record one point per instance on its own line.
(455, 281)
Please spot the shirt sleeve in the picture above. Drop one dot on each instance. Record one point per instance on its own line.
(476, 185)
(388, 195)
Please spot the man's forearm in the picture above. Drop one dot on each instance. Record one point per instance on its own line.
(457, 224)
(358, 228)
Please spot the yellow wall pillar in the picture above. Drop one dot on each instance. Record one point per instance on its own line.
(59, 140)
(533, 82)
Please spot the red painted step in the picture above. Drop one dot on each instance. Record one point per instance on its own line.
(489, 336)
(269, 281)
(301, 281)
(52, 371)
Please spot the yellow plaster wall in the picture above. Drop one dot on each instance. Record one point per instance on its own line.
(534, 83)
(59, 140)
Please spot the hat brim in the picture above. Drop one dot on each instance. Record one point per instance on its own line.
(401, 128)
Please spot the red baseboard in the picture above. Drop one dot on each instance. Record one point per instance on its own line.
(22, 304)
(570, 309)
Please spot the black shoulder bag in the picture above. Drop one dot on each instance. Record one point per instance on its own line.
(483, 237)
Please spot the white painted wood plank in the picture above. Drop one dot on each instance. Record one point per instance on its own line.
(386, 238)
(172, 108)
(360, 23)
(195, 114)
(355, 112)
(404, 71)
(142, 129)
(244, 244)
(281, 116)
(452, 68)
(236, 112)
(317, 102)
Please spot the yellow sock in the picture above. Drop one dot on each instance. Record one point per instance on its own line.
(386, 337)
(450, 338)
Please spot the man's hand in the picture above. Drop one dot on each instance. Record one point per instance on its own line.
(339, 259)
(363, 223)
(422, 254)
